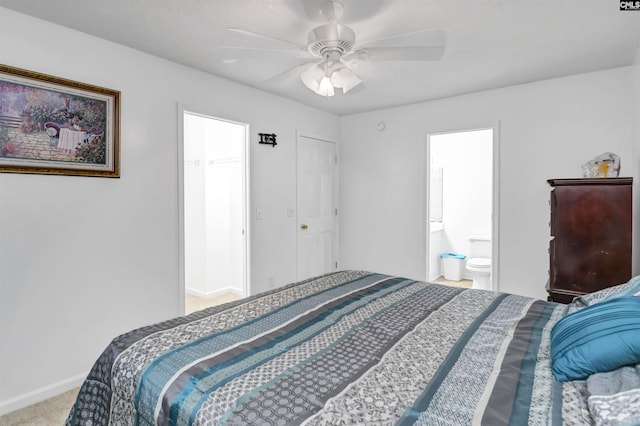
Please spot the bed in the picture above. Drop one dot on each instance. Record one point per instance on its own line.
(353, 347)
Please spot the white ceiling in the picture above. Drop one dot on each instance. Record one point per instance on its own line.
(490, 43)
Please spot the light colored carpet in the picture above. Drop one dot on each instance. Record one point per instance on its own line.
(54, 411)
(194, 303)
(50, 412)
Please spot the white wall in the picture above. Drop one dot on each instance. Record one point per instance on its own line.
(195, 238)
(224, 228)
(84, 259)
(548, 129)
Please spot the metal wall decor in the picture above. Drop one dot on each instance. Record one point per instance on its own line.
(268, 139)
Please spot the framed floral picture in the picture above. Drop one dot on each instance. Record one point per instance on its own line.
(51, 125)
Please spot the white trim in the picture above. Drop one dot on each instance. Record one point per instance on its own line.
(246, 285)
(495, 219)
(181, 268)
(213, 293)
(40, 394)
(309, 135)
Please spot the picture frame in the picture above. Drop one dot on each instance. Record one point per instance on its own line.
(55, 126)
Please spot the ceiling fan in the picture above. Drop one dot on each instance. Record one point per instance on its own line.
(335, 53)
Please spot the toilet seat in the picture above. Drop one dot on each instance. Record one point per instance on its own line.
(480, 270)
(479, 263)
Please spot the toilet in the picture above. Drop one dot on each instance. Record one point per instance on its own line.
(479, 261)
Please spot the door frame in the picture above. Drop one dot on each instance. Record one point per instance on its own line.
(335, 195)
(246, 241)
(495, 214)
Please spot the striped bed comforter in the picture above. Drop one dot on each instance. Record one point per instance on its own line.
(349, 347)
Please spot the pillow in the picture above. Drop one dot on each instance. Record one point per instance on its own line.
(633, 285)
(596, 339)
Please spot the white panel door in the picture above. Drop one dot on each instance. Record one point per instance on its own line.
(316, 207)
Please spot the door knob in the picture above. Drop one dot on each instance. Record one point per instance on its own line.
(303, 226)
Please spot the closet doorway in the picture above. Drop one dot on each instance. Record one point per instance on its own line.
(214, 197)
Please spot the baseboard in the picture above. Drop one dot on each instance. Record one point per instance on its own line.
(213, 293)
(41, 394)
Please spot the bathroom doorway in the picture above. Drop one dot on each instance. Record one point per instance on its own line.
(461, 201)
(214, 194)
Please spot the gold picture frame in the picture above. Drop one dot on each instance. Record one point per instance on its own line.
(55, 126)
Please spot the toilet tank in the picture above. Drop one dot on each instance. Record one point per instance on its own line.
(480, 246)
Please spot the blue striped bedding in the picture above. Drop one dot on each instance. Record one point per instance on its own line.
(350, 347)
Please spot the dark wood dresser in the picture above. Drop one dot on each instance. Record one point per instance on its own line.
(590, 247)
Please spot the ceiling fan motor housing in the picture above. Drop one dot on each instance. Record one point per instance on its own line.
(331, 40)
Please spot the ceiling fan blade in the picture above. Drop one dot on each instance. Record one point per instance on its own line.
(291, 72)
(263, 37)
(354, 10)
(417, 38)
(410, 53)
(297, 53)
(332, 10)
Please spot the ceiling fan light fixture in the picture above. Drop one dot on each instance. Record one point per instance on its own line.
(345, 79)
(333, 47)
(316, 78)
(312, 77)
(325, 88)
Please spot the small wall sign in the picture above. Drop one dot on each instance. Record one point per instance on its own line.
(268, 139)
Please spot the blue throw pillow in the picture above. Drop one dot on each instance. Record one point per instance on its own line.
(596, 339)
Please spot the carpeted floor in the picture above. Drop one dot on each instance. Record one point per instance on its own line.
(54, 411)
(51, 412)
(194, 303)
